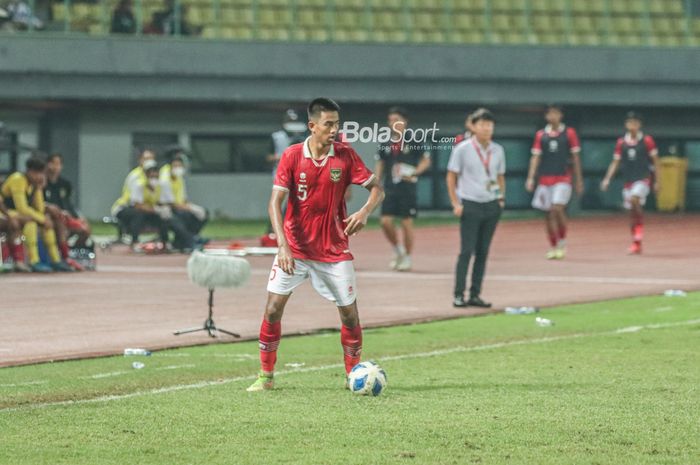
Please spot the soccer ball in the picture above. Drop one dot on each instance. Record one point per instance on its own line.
(367, 378)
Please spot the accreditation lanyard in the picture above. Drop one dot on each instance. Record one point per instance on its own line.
(485, 160)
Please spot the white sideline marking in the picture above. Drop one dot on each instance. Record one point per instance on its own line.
(434, 353)
(106, 375)
(630, 329)
(176, 367)
(28, 383)
(370, 274)
(663, 309)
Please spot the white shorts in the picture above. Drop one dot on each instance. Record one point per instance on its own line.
(636, 189)
(546, 196)
(333, 281)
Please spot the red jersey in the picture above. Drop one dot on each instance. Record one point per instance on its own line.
(555, 149)
(316, 208)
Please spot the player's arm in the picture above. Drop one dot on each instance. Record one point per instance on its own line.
(612, 169)
(532, 169)
(19, 196)
(451, 180)
(379, 169)
(274, 209)
(358, 220)
(654, 155)
(578, 172)
(501, 179)
(423, 166)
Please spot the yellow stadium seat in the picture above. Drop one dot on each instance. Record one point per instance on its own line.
(388, 20)
(349, 19)
(500, 22)
(426, 21)
(657, 6)
(463, 21)
(209, 32)
(551, 39)
(59, 12)
(469, 5)
(583, 24)
(309, 18)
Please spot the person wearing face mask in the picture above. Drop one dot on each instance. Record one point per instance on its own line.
(293, 132)
(144, 200)
(122, 209)
(172, 178)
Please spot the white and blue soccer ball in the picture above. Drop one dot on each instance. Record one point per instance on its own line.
(367, 379)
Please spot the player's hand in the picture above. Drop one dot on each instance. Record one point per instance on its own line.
(502, 203)
(579, 188)
(355, 222)
(457, 210)
(285, 259)
(604, 184)
(530, 185)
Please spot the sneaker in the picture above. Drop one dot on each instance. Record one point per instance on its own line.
(459, 302)
(21, 267)
(551, 254)
(395, 262)
(560, 253)
(75, 265)
(475, 301)
(404, 264)
(265, 382)
(61, 266)
(39, 267)
(635, 248)
(7, 268)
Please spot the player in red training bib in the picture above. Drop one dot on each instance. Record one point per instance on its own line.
(313, 237)
(555, 151)
(635, 154)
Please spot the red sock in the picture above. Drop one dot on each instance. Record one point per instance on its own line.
(553, 239)
(17, 251)
(637, 227)
(63, 248)
(270, 335)
(351, 339)
(562, 232)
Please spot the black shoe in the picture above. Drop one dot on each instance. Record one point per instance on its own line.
(475, 301)
(459, 302)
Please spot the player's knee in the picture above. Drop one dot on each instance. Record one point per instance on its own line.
(48, 224)
(274, 310)
(349, 315)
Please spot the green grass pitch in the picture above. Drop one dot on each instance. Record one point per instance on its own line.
(611, 383)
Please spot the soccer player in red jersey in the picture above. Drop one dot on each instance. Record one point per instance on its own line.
(555, 151)
(634, 153)
(313, 237)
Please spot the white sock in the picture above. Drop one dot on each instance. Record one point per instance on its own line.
(400, 250)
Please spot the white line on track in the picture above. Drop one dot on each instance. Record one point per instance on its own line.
(372, 275)
(106, 375)
(434, 353)
(28, 383)
(176, 367)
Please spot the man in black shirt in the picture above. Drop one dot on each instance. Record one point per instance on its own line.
(399, 164)
(57, 194)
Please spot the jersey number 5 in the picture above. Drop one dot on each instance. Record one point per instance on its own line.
(302, 192)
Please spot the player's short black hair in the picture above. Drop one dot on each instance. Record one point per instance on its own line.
(320, 104)
(554, 106)
(482, 114)
(53, 156)
(35, 164)
(633, 115)
(401, 111)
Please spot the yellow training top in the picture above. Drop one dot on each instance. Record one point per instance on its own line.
(19, 195)
(175, 187)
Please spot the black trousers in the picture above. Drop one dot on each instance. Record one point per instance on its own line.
(141, 219)
(476, 226)
(191, 222)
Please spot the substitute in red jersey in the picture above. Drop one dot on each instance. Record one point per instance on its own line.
(635, 154)
(313, 237)
(555, 152)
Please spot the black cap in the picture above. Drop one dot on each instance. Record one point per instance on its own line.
(633, 115)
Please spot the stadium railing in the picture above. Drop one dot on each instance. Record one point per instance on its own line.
(524, 22)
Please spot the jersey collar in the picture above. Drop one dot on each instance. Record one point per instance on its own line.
(629, 140)
(548, 129)
(307, 153)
